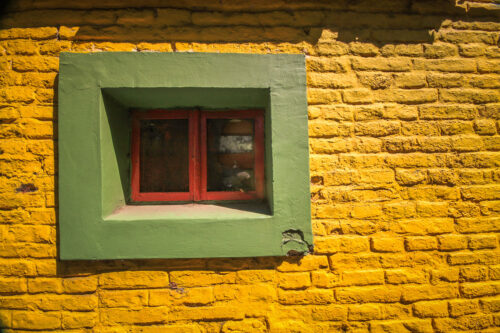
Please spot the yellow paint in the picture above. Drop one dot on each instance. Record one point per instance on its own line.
(405, 171)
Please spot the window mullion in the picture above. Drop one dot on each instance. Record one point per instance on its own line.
(195, 163)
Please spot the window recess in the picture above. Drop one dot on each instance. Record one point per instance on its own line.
(193, 155)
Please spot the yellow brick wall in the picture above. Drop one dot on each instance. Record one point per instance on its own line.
(404, 117)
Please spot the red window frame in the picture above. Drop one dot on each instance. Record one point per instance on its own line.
(198, 155)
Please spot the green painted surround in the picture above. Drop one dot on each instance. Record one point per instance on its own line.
(96, 92)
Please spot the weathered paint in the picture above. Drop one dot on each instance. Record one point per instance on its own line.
(95, 93)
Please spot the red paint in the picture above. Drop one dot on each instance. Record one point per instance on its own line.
(198, 155)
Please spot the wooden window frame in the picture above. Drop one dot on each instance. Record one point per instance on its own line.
(198, 156)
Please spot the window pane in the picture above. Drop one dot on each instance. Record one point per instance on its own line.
(230, 155)
(164, 155)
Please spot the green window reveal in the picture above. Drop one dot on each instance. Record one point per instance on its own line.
(96, 95)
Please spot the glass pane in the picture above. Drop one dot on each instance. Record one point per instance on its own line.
(230, 155)
(164, 155)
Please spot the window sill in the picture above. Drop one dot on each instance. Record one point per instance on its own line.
(189, 212)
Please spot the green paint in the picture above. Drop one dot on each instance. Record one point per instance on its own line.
(96, 92)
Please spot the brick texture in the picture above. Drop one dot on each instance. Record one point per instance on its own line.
(404, 119)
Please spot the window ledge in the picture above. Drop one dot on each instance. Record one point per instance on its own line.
(189, 212)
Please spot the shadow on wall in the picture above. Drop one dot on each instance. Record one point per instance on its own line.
(316, 23)
(379, 22)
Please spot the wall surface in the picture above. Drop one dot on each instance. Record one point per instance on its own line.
(404, 116)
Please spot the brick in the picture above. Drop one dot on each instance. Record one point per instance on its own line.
(469, 37)
(350, 244)
(409, 50)
(309, 296)
(400, 144)
(307, 263)
(466, 143)
(364, 312)
(445, 80)
(485, 126)
(329, 313)
(132, 299)
(134, 279)
(452, 242)
(13, 285)
(412, 293)
(361, 278)
(469, 96)
(432, 209)
(143, 316)
(388, 244)
(17, 268)
(480, 193)
(410, 177)
(490, 304)
(32, 33)
(484, 81)
(410, 80)
(245, 325)
(488, 66)
(76, 285)
(469, 258)
(440, 50)
(448, 274)
(45, 285)
(403, 209)
(447, 112)
(357, 96)
(463, 307)
(201, 278)
(298, 280)
(466, 323)
(431, 309)
(53, 48)
(406, 96)
(489, 207)
(424, 226)
(471, 50)
(483, 242)
(480, 289)
(402, 276)
(79, 320)
(375, 80)
(36, 320)
(363, 49)
(326, 64)
(332, 48)
(331, 80)
(421, 243)
(454, 127)
(401, 326)
(323, 96)
(377, 128)
(495, 272)
(19, 47)
(323, 279)
(473, 273)
(492, 143)
(446, 65)
(253, 276)
(381, 64)
(377, 294)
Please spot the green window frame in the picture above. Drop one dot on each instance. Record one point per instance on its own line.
(97, 92)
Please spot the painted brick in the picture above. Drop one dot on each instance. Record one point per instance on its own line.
(133, 279)
(404, 170)
(294, 280)
(431, 309)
